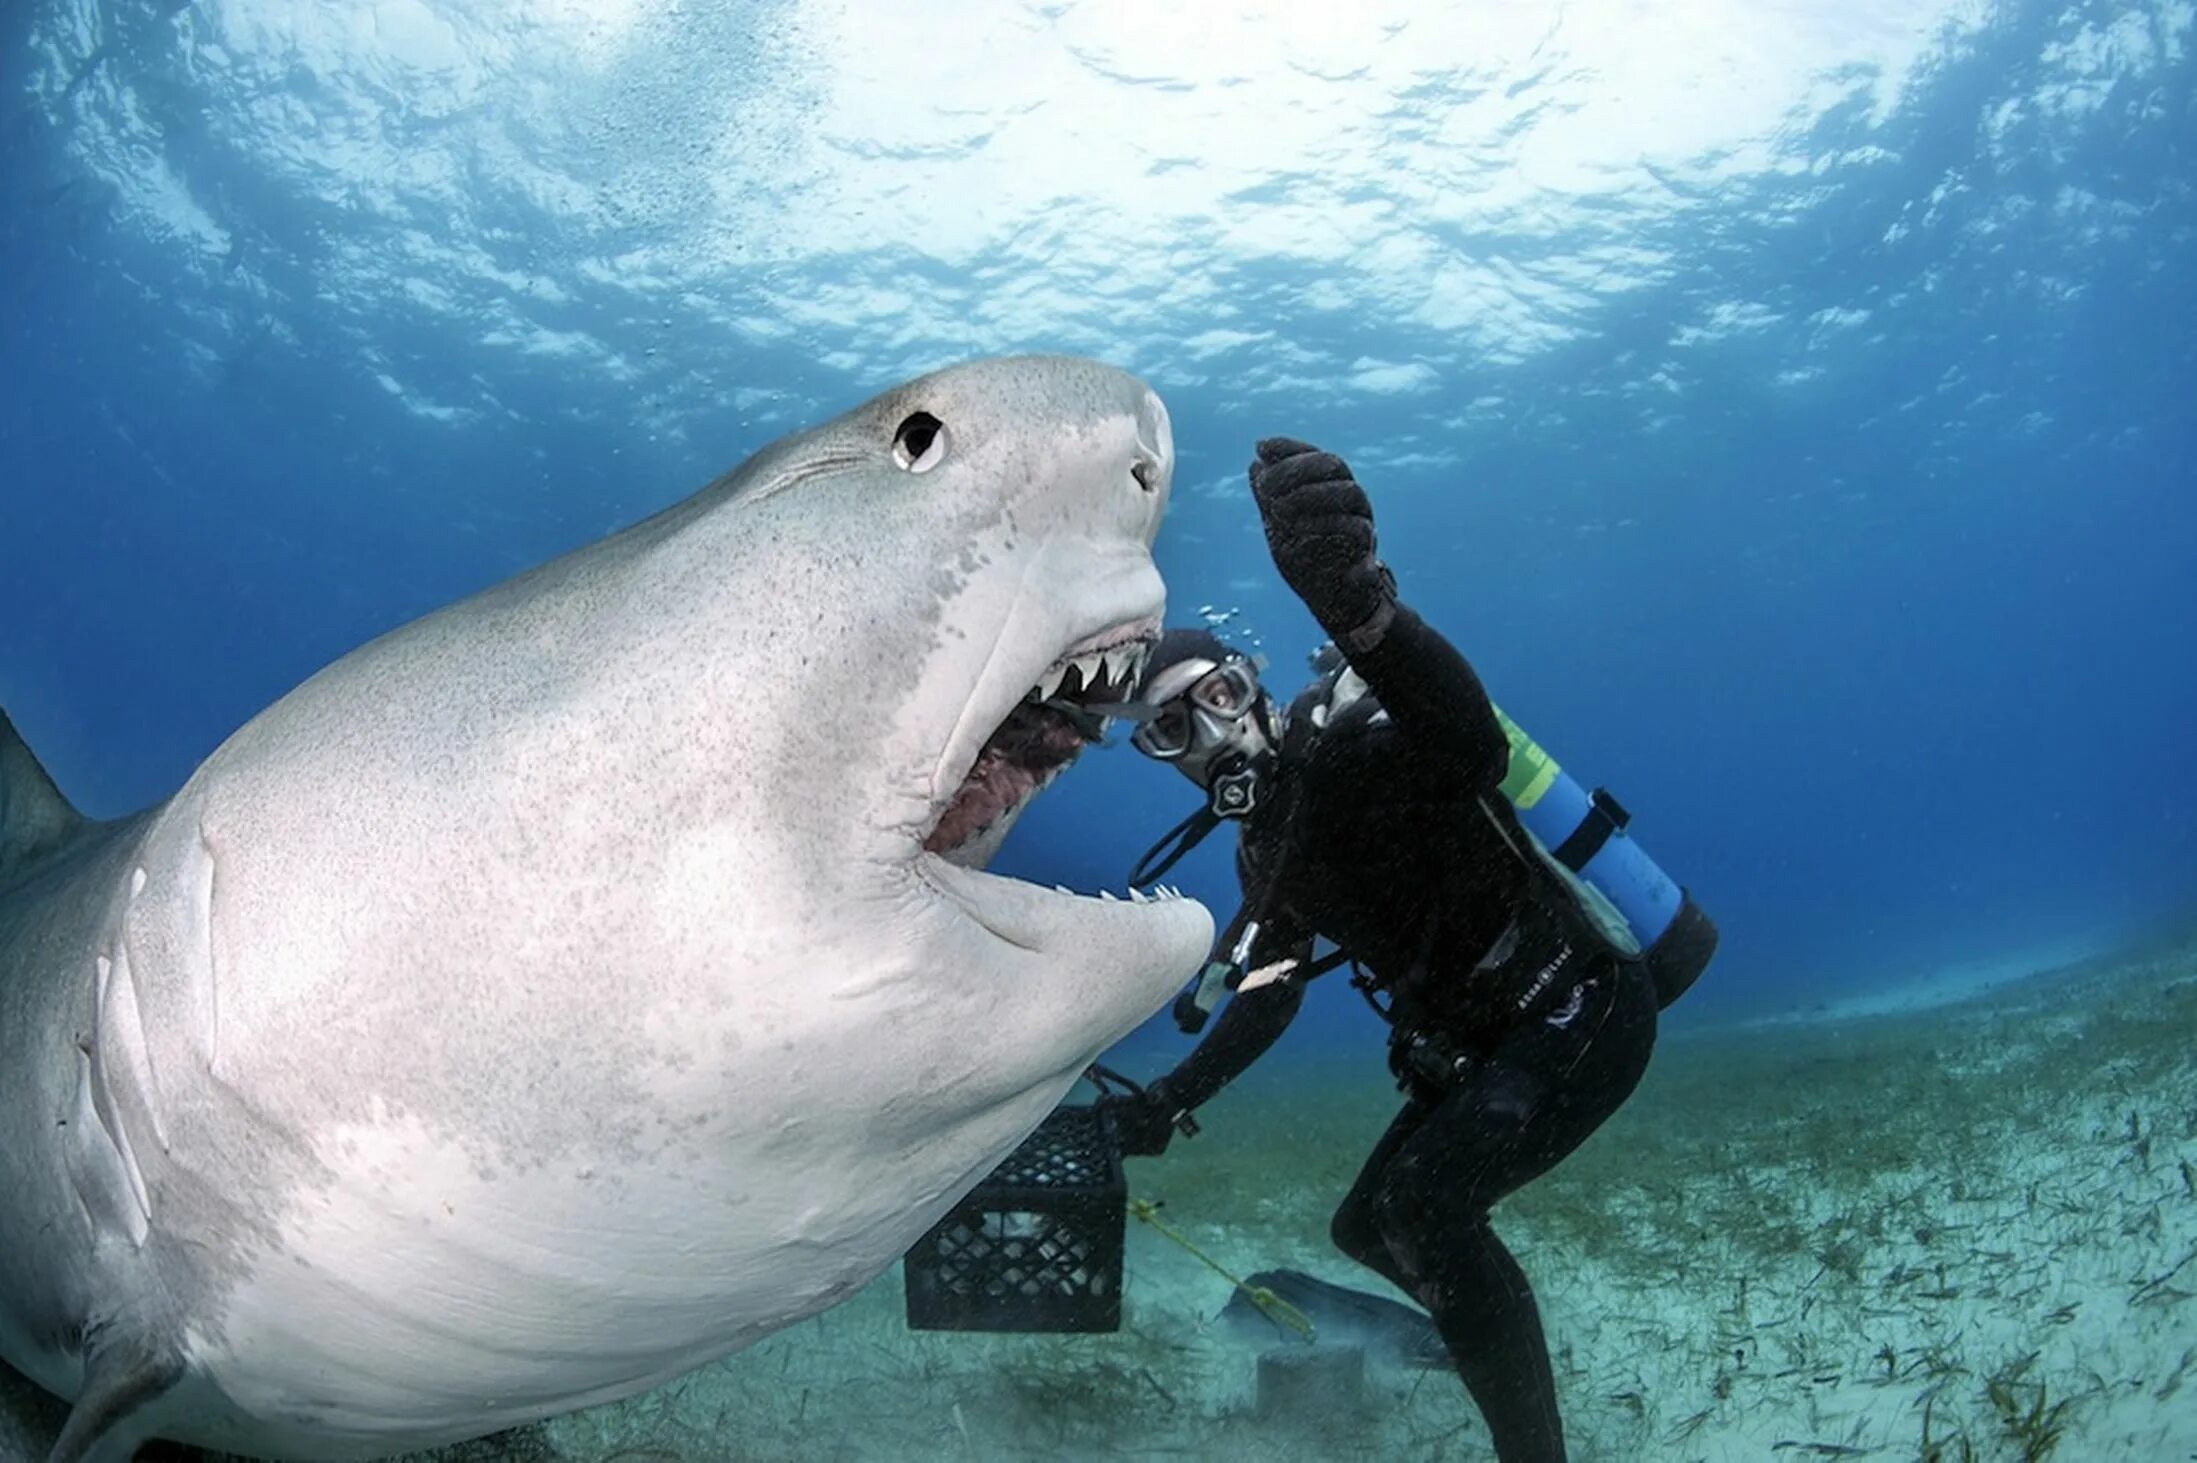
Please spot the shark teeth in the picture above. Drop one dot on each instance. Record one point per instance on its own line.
(1157, 894)
(1109, 674)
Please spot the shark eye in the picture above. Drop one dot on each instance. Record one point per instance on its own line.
(920, 443)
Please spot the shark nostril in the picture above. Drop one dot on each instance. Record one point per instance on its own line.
(1145, 471)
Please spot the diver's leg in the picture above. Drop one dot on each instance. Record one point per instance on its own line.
(1515, 1114)
(1356, 1228)
(1484, 1308)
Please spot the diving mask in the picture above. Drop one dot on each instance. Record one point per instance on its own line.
(1202, 714)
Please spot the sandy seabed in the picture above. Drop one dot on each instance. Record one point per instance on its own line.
(1958, 1227)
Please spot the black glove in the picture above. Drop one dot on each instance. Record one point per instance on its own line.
(1319, 527)
(1144, 1122)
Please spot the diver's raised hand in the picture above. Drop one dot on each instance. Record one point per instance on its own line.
(1319, 528)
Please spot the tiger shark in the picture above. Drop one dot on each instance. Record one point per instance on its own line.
(578, 983)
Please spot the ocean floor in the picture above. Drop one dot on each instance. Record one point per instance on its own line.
(1947, 1230)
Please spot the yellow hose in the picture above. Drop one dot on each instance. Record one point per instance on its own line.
(1270, 1305)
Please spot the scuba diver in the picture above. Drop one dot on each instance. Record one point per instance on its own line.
(1374, 815)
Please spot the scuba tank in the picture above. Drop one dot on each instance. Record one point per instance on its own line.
(1585, 837)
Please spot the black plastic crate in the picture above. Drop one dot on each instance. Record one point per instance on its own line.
(1036, 1246)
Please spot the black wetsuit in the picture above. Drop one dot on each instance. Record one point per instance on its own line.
(1517, 1028)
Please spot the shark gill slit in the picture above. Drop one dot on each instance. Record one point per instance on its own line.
(210, 983)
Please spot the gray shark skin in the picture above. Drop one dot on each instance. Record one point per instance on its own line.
(574, 985)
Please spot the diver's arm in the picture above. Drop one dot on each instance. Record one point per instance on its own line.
(1431, 692)
(1253, 1020)
(1265, 1002)
(1319, 526)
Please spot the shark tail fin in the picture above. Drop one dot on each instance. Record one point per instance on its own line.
(35, 818)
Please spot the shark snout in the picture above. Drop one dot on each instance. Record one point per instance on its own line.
(1104, 483)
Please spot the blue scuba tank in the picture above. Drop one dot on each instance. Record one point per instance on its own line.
(1587, 834)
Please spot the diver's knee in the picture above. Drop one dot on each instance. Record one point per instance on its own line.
(1354, 1232)
(1402, 1223)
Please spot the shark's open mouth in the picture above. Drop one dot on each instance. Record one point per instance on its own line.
(1045, 732)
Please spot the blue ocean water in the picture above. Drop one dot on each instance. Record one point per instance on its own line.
(1787, 412)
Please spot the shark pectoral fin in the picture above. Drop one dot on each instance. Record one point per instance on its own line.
(34, 818)
(114, 1413)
